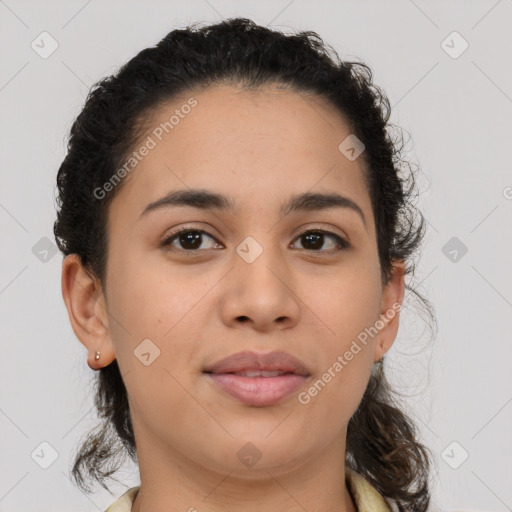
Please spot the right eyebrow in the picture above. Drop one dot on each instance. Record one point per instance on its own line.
(195, 198)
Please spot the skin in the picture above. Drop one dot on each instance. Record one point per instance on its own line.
(259, 148)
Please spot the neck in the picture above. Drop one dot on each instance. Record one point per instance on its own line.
(172, 482)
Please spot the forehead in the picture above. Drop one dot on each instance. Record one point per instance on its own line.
(247, 144)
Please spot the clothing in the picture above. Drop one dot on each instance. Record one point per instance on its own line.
(365, 496)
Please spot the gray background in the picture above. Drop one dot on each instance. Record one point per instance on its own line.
(457, 111)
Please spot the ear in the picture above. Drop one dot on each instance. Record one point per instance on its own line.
(85, 302)
(392, 299)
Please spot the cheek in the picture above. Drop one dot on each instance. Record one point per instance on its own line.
(345, 355)
(345, 302)
(335, 394)
(156, 335)
(345, 306)
(148, 303)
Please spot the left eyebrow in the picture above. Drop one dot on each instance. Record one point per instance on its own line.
(315, 201)
(206, 200)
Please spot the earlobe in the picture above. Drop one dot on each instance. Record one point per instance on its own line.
(97, 360)
(84, 300)
(392, 299)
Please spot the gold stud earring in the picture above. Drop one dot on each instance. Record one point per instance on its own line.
(97, 356)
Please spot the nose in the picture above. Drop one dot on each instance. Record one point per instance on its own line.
(260, 294)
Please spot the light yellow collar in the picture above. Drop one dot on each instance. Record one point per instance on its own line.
(366, 497)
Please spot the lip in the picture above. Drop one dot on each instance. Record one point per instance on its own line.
(252, 361)
(258, 391)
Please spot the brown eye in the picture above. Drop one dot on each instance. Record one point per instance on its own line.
(313, 240)
(188, 240)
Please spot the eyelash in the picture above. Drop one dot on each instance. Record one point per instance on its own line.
(341, 243)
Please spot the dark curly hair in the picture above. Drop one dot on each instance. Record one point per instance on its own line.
(382, 442)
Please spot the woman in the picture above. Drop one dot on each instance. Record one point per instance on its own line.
(237, 229)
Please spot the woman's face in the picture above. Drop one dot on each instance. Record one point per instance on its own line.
(251, 282)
